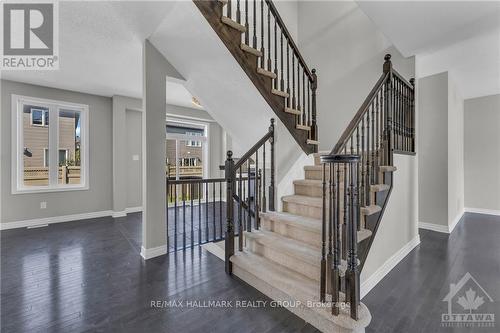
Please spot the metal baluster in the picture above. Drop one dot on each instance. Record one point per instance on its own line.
(264, 203)
(175, 217)
(213, 211)
(183, 217)
(329, 257)
(207, 233)
(240, 214)
(254, 40)
(272, 180)
(259, 198)
(220, 209)
(344, 224)
(255, 191)
(169, 194)
(304, 113)
(289, 104)
(228, 9)
(276, 53)
(269, 69)
(238, 12)
(293, 80)
(377, 137)
(247, 30)
(262, 50)
(357, 170)
(309, 104)
(298, 92)
(200, 190)
(373, 144)
(363, 157)
(323, 240)
(191, 213)
(352, 274)
(249, 221)
(368, 178)
(282, 81)
(336, 246)
(229, 237)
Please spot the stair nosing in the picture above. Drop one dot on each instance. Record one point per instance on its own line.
(279, 93)
(267, 73)
(233, 24)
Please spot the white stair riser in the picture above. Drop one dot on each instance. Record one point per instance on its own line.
(311, 270)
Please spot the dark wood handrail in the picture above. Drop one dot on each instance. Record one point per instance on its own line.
(288, 36)
(400, 77)
(357, 118)
(252, 150)
(195, 181)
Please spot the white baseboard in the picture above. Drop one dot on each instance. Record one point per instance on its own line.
(455, 221)
(65, 218)
(483, 211)
(119, 214)
(133, 209)
(434, 227)
(55, 219)
(388, 265)
(153, 252)
(447, 229)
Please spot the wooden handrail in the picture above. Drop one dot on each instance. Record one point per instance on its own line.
(357, 117)
(256, 146)
(288, 36)
(400, 77)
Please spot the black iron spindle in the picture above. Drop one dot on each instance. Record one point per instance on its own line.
(183, 217)
(191, 213)
(247, 30)
(175, 217)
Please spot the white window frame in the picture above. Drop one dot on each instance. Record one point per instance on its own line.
(17, 171)
(44, 122)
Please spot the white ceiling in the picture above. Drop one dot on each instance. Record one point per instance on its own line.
(462, 37)
(100, 45)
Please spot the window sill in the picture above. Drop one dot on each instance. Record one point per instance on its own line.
(49, 189)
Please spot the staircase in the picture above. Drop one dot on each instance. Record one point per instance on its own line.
(256, 36)
(308, 256)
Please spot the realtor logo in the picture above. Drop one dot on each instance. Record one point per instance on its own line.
(467, 305)
(30, 36)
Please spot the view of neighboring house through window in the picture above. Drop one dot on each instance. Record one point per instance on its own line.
(49, 157)
(185, 150)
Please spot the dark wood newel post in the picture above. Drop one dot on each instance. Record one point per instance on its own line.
(229, 237)
(388, 97)
(271, 183)
(314, 127)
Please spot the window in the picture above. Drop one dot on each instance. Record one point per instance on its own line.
(186, 148)
(39, 116)
(49, 157)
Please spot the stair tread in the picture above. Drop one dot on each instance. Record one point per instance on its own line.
(280, 93)
(379, 187)
(308, 223)
(387, 168)
(304, 200)
(308, 182)
(233, 24)
(293, 111)
(292, 247)
(370, 210)
(303, 127)
(312, 142)
(249, 49)
(267, 73)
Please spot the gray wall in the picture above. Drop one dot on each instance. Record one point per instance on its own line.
(134, 167)
(482, 153)
(98, 197)
(433, 149)
(347, 50)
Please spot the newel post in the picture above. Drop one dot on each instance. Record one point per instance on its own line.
(272, 181)
(388, 98)
(314, 127)
(229, 237)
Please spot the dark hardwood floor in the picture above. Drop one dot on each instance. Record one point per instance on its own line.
(88, 276)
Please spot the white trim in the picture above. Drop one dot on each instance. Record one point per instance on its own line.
(455, 221)
(133, 209)
(119, 214)
(387, 266)
(54, 219)
(63, 218)
(17, 174)
(434, 227)
(482, 211)
(153, 252)
(447, 229)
